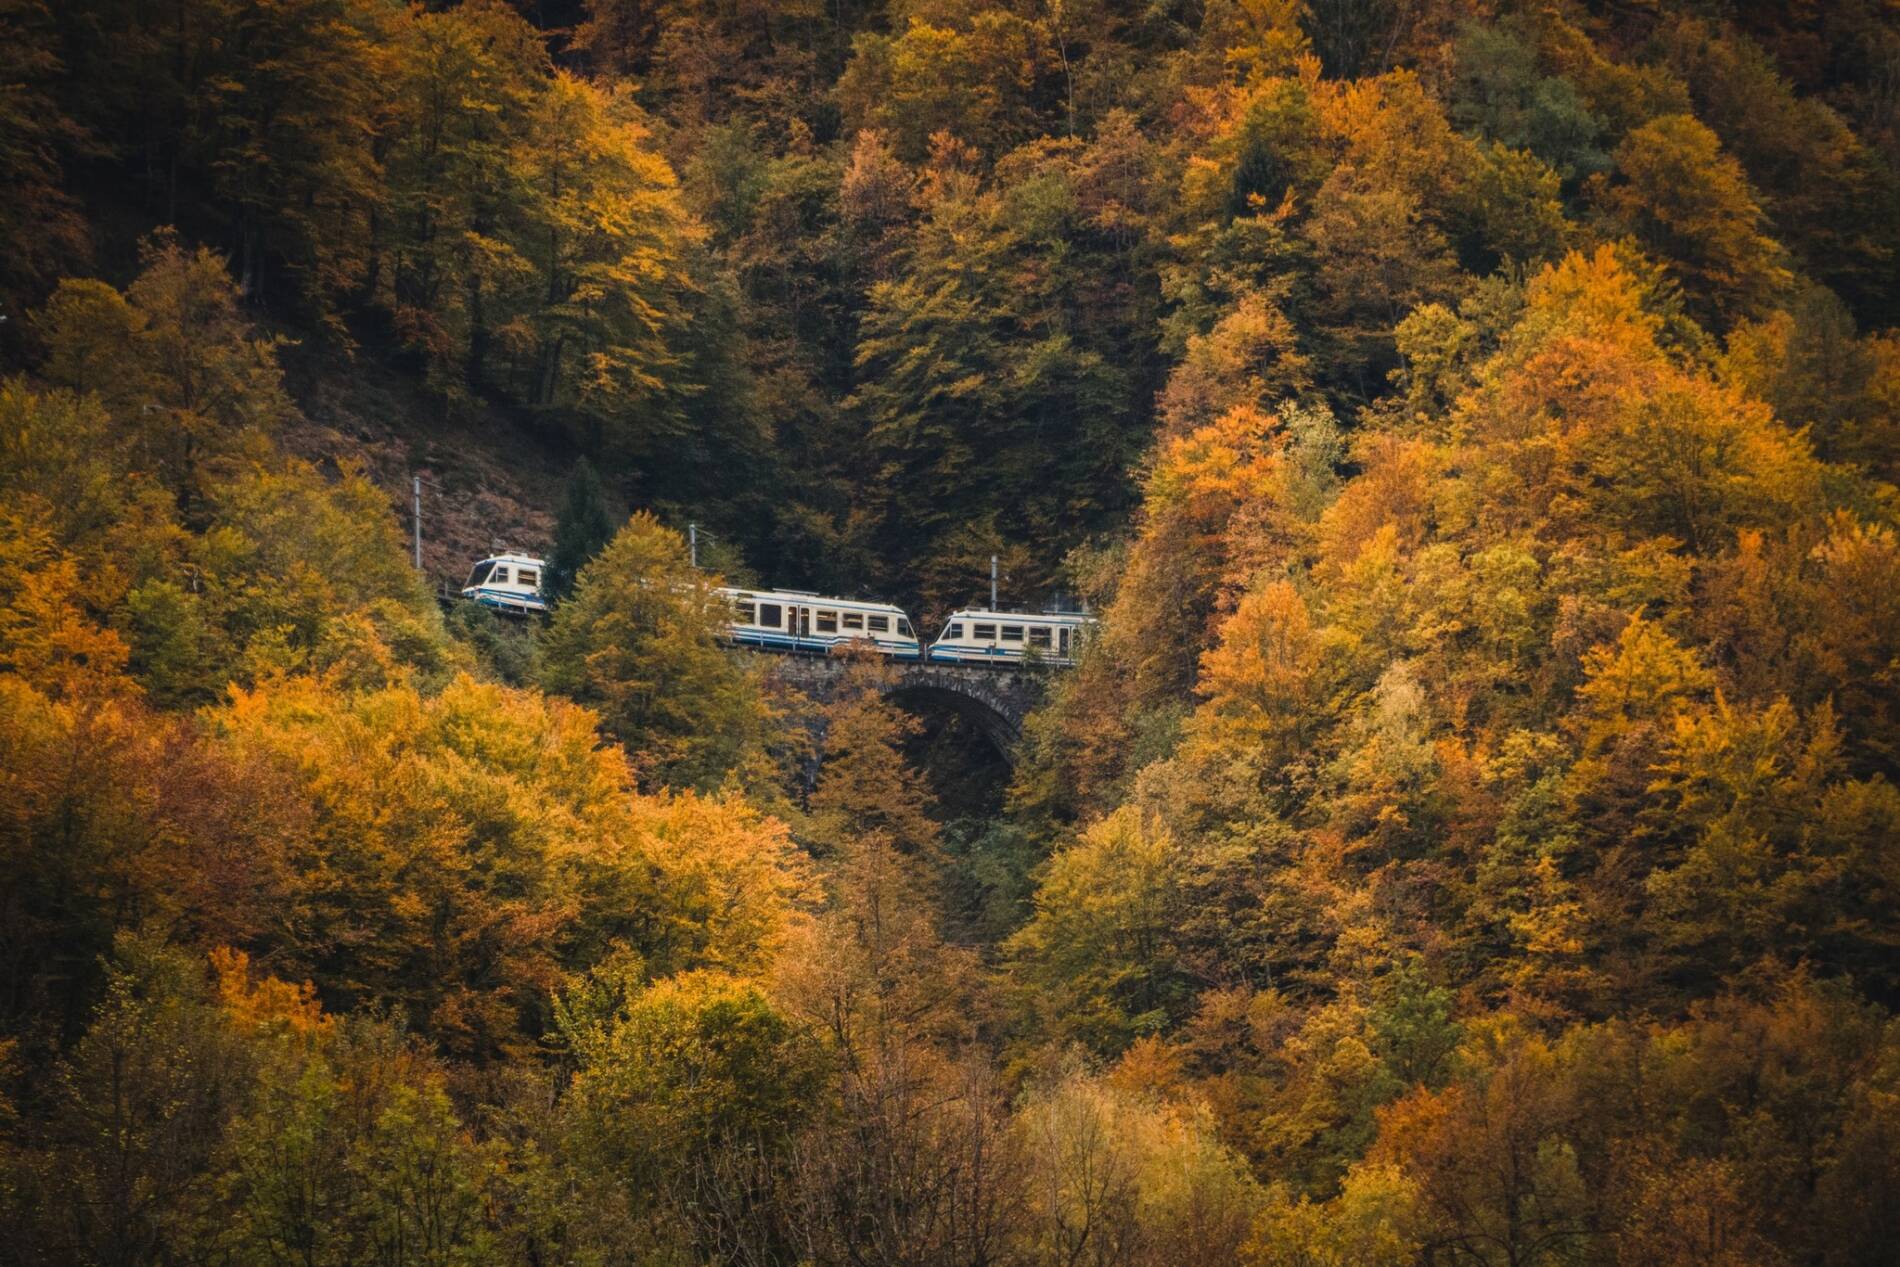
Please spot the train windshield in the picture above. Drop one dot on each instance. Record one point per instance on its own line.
(903, 626)
(480, 575)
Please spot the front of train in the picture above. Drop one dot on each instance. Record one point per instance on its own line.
(508, 583)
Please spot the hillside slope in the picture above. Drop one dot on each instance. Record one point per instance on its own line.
(1470, 837)
(488, 482)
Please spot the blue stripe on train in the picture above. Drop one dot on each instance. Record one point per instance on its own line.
(791, 642)
(506, 598)
(988, 655)
(967, 655)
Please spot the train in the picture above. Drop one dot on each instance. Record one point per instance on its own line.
(975, 635)
(798, 620)
(803, 622)
(508, 583)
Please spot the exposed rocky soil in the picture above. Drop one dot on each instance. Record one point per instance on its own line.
(488, 482)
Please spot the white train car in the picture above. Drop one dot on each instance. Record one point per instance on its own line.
(974, 636)
(794, 620)
(508, 583)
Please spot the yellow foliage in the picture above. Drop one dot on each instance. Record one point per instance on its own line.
(1371, 1223)
(613, 234)
(1215, 512)
(1392, 127)
(1645, 677)
(1692, 204)
(733, 885)
(1250, 359)
(1586, 423)
(1257, 38)
(467, 849)
(1145, 1174)
(1206, 473)
(264, 1003)
(1394, 491)
(47, 634)
(1259, 684)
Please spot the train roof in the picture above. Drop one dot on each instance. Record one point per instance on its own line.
(1060, 618)
(527, 559)
(805, 598)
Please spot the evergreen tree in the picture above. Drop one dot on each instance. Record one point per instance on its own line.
(583, 528)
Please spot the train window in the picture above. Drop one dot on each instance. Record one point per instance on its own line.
(1039, 637)
(983, 633)
(827, 622)
(528, 576)
(955, 631)
(853, 620)
(903, 627)
(745, 614)
(481, 574)
(771, 615)
(879, 624)
(1012, 633)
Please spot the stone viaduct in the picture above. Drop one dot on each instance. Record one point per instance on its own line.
(995, 700)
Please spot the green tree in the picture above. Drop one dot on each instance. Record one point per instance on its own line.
(1501, 93)
(175, 362)
(686, 1098)
(995, 399)
(289, 150)
(136, 1111)
(1830, 198)
(1810, 365)
(639, 640)
(1100, 953)
(580, 532)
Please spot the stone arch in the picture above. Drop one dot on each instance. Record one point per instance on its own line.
(993, 700)
(992, 724)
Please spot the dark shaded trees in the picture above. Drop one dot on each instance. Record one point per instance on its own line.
(582, 530)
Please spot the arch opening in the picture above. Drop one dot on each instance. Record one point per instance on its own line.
(923, 700)
(961, 751)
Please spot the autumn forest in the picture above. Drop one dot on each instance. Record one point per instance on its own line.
(1470, 838)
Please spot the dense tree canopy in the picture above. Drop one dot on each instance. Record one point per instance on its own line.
(1470, 837)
